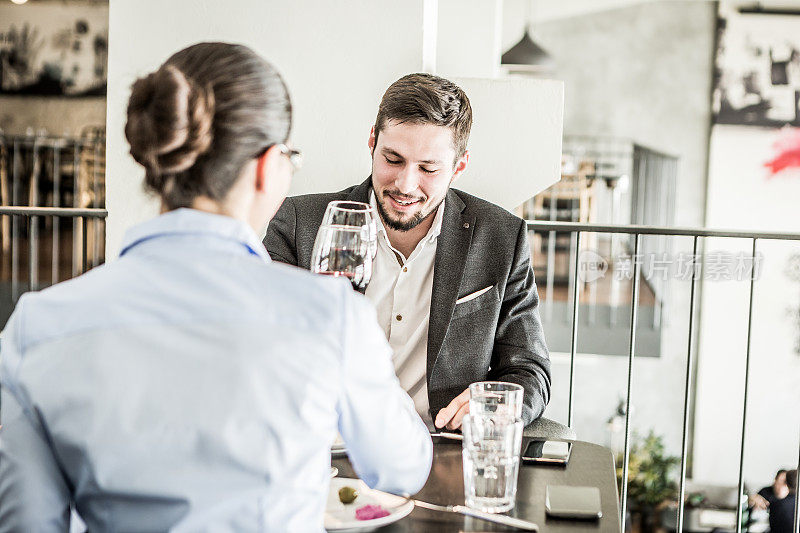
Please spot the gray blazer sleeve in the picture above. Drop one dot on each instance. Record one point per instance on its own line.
(520, 354)
(281, 238)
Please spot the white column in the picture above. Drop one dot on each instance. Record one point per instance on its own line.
(515, 144)
(469, 38)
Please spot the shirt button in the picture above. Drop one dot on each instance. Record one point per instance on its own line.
(405, 269)
(399, 317)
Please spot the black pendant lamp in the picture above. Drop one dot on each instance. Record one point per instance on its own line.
(527, 56)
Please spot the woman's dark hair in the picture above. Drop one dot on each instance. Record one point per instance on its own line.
(196, 121)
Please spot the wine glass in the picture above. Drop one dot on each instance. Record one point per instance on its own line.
(343, 251)
(349, 213)
(347, 242)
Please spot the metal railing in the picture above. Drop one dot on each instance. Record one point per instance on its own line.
(86, 223)
(45, 179)
(636, 232)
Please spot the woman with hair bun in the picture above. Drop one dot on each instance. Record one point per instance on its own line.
(192, 384)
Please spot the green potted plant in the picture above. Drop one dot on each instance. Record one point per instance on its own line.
(649, 480)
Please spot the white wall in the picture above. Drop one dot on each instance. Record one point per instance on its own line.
(469, 33)
(515, 143)
(742, 196)
(337, 59)
(549, 10)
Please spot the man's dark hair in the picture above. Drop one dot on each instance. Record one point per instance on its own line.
(779, 472)
(427, 99)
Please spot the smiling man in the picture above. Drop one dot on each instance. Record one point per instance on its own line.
(452, 282)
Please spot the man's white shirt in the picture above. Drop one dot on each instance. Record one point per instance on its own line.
(401, 289)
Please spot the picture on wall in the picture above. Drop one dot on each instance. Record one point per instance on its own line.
(53, 55)
(757, 70)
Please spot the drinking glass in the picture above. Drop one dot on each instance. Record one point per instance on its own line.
(496, 399)
(347, 213)
(490, 452)
(343, 251)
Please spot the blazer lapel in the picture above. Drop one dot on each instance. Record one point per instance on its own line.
(360, 193)
(451, 256)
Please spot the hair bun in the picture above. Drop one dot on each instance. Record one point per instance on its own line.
(170, 122)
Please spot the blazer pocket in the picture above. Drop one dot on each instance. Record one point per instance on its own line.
(475, 301)
(474, 295)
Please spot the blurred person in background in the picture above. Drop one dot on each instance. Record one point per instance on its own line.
(192, 383)
(781, 511)
(769, 494)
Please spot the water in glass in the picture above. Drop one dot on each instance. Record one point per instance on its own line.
(496, 398)
(491, 462)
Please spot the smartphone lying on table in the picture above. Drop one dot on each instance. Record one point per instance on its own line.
(549, 452)
(573, 502)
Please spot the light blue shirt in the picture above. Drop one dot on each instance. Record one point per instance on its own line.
(192, 384)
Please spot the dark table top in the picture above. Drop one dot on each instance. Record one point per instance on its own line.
(589, 465)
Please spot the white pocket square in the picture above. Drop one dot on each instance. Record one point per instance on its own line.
(474, 295)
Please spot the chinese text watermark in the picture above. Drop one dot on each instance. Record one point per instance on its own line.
(712, 266)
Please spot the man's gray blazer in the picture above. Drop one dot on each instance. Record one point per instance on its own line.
(498, 335)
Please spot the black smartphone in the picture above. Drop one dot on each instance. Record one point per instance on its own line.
(573, 502)
(551, 452)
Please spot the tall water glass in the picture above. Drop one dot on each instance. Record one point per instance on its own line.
(490, 451)
(496, 399)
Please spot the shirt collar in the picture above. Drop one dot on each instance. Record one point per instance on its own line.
(185, 221)
(433, 233)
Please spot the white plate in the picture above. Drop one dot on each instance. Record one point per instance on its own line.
(341, 517)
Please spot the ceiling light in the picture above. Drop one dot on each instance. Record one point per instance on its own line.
(527, 55)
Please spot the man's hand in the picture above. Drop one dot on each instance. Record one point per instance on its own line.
(454, 412)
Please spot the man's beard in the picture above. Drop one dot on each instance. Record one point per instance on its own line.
(400, 225)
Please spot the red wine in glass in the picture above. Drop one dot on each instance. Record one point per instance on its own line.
(341, 251)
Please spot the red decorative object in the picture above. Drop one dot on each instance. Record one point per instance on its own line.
(788, 152)
(370, 512)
